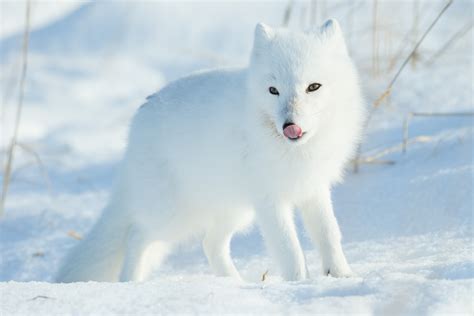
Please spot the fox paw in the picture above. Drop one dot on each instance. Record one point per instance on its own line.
(339, 272)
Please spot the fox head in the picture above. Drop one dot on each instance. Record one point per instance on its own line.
(296, 79)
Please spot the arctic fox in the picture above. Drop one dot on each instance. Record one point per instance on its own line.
(210, 153)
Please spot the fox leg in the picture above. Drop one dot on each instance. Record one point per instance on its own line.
(278, 229)
(216, 245)
(134, 265)
(321, 224)
(216, 242)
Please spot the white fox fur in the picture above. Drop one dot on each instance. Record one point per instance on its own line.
(207, 156)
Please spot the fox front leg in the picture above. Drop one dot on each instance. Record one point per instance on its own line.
(322, 226)
(278, 229)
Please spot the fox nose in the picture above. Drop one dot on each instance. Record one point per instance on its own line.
(287, 123)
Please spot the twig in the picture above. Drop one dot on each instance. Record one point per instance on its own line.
(74, 235)
(371, 160)
(312, 12)
(388, 90)
(350, 25)
(413, 52)
(287, 15)
(416, 18)
(8, 166)
(375, 47)
(400, 50)
(9, 89)
(403, 43)
(42, 297)
(414, 114)
(375, 158)
(458, 35)
(41, 166)
(323, 10)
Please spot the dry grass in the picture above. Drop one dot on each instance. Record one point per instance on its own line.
(410, 115)
(73, 234)
(449, 43)
(313, 12)
(11, 150)
(388, 90)
(28, 149)
(287, 15)
(375, 40)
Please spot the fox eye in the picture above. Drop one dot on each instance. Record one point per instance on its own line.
(313, 87)
(274, 91)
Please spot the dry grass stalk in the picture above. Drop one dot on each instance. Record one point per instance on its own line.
(408, 39)
(386, 93)
(399, 52)
(11, 150)
(375, 157)
(74, 235)
(40, 164)
(350, 26)
(375, 42)
(414, 29)
(413, 52)
(303, 16)
(371, 160)
(312, 12)
(42, 297)
(457, 36)
(287, 15)
(323, 10)
(410, 115)
(11, 83)
(382, 97)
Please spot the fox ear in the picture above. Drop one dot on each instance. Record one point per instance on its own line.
(331, 28)
(263, 33)
(331, 32)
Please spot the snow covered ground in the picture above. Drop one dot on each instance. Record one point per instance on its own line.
(408, 227)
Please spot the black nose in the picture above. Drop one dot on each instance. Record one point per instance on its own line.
(287, 124)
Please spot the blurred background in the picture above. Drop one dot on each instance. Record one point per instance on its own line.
(90, 65)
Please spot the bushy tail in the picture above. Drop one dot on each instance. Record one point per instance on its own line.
(99, 257)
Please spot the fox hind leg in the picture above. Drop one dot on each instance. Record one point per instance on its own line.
(154, 255)
(216, 244)
(143, 254)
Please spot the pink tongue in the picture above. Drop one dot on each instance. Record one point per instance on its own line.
(293, 131)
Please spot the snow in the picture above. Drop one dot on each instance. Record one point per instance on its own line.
(394, 278)
(407, 226)
(13, 13)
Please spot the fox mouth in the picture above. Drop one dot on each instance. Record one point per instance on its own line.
(276, 132)
(293, 132)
